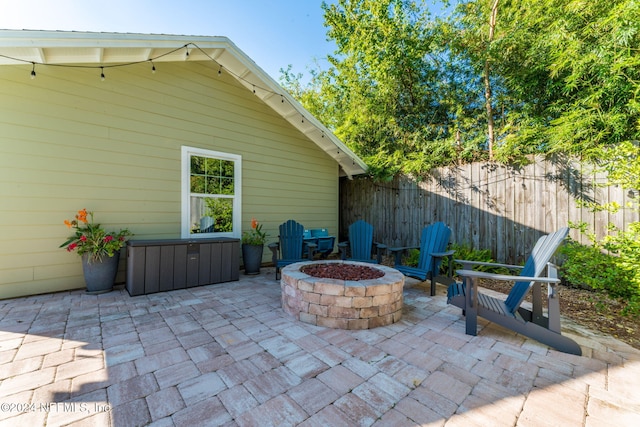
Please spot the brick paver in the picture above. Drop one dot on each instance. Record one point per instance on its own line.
(227, 354)
(313, 395)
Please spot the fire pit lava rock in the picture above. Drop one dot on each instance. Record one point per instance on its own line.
(338, 299)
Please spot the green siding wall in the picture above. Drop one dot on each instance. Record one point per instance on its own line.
(70, 141)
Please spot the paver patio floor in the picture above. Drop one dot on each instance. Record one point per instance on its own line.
(227, 354)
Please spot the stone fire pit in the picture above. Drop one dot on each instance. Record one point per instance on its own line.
(339, 303)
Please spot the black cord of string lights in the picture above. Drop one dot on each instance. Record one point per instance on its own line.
(191, 45)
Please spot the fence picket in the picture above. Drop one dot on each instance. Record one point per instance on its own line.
(488, 206)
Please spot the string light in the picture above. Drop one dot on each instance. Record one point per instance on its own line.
(126, 64)
(153, 69)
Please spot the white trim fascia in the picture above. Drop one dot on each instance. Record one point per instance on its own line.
(221, 49)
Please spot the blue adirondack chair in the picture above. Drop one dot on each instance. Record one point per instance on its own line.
(433, 244)
(508, 311)
(361, 245)
(288, 249)
(324, 241)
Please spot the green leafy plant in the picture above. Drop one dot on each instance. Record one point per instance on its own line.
(462, 251)
(255, 236)
(222, 211)
(412, 257)
(466, 252)
(90, 238)
(592, 267)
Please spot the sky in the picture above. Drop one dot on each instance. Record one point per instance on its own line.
(273, 33)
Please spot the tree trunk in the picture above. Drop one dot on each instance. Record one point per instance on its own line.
(487, 81)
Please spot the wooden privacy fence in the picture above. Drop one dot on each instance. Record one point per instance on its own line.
(488, 206)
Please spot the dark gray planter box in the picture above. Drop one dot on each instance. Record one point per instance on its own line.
(165, 265)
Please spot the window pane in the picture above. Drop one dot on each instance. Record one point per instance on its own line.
(211, 214)
(212, 176)
(213, 185)
(226, 168)
(226, 185)
(199, 222)
(197, 165)
(212, 166)
(197, 184)
(212, 201)
(222, 211)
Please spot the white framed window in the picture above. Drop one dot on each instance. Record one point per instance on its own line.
(211, 193)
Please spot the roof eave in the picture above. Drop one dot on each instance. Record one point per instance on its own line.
(102, 48)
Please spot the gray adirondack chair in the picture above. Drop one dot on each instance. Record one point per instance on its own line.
(508, 312)
(433, 244)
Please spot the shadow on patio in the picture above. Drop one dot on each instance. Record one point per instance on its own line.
(227, 354)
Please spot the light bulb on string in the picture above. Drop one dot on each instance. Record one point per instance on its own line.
(187, 54)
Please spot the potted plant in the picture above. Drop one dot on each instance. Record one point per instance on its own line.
(252, 247)
(99, 249)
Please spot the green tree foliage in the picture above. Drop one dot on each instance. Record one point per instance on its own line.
(391, 91)
(621, 163)
(383, 75)
(596, 54)
(406, 91)
(569, 71)
(569, 78)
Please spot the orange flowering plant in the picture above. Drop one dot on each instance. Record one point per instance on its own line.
(92, 239)
(255, 236)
